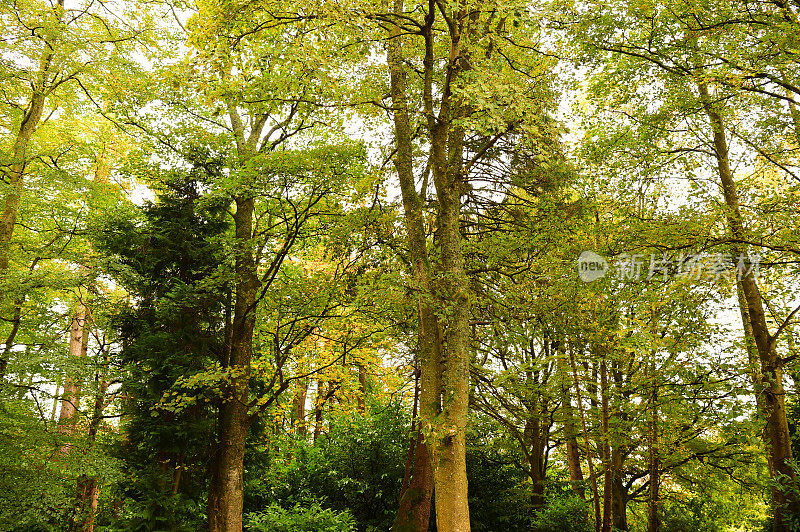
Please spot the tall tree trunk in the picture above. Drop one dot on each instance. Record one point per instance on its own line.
(619, 494)
(86, 507)
(88, 490)
(754, 368)
(589, 462)
(319, 404)
(607, 465)
(535, 442)
(414, 511)
(619, 453)
(416, 436)
(570, 432)
(447, 148)
(19, 151)
(15, 174)
(444, 348)
(70, 399)
(415, 506)
(794, 112)
(55, 398)
(362, 388)
(9, 343)
(226, 495)
(299, 413)
(653, 522)
(449, 453)
(770, 388)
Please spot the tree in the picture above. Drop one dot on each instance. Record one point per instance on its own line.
(695, 68)
(460, 126)
(170, 331)
(276, 193)
(72, 48)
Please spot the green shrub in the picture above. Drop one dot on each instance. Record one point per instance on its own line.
(689, 514)
(563, 513)
(300, 519)
(499, 498)
(358, 466)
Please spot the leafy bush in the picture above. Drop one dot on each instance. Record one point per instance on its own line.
(499, 497)
(357, 467)
(564, 513)
(313, 518)
(145, 512)
(689, 515)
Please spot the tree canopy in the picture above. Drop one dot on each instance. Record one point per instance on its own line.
(408, 266)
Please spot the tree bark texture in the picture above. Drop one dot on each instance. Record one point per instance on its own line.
(770, 390)
(226, 495)
(71, 397)
(608, 475)
(414, 508)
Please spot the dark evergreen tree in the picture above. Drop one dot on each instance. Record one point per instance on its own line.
(173, 264)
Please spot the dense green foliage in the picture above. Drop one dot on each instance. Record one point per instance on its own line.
(252, 227)
(312, 518)
(172, 333)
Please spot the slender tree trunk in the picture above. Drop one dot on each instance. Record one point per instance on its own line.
(9, 343)
(176, 479)
(55, 398)
(226, 495)
(619, 494)
(214, 493)
(414, 508)
(88, 490)
(794, 112)
(619, 453)
(570, 432)
(86, 506)
(300, 408)
(416, 436)
(70, 399)
(589, 462)
(362, 388)
(19, 151)
(574, 462)
(754, 369)
(771, 389)
(607, 465)
(14, 176)
(653, 522)
(226, 490)
(319, 404)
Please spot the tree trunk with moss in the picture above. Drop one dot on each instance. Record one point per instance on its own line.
(71, 397)
(226, 495)
(415, 505)
(770, 390)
